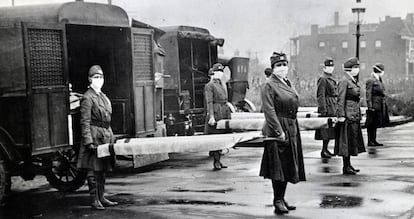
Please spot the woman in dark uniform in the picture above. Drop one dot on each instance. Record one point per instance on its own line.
(326, 96)
(282, 160)
(377, 114)
(95, 122)
(349, 141)
(216, 102)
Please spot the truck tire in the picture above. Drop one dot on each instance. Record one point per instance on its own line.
(63, 174)
(5, 182)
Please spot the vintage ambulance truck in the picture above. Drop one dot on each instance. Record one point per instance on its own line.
(43, 50)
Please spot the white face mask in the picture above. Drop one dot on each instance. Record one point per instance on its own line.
(97, 83)
(354, 72)
(218, 75)
(328, 69)
(281, 71)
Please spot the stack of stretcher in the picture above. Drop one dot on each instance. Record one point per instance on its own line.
(246, 128)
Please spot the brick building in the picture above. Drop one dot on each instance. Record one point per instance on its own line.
(391, 41)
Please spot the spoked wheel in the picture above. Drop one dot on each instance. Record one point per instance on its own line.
(63, 174)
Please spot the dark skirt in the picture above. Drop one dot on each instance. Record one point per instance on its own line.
(325, 134)
(378, 118)
(88, 159)
(284, 161)
(349, 140)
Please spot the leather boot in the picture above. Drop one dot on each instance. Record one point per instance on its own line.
(289, 207)
(325, 154)
(374, 137)
(355, 170)
(101, 192)
(279, 189)
(347, 170)
(350, 165)
(280, 207)
(370, 133)
(93, 194)
(216, 160)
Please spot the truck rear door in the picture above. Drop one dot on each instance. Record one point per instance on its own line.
(143, 80)
(47, 87)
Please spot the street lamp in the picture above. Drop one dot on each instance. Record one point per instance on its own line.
(358, 11)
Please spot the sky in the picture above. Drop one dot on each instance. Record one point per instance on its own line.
(258, 26)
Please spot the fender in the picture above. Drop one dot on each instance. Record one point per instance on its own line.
(231, 107)
(8, 147)
(251, 104)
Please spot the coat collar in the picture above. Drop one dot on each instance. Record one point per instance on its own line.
(282, 84)
(349, 77)
(375, 76)
(329, 76)
(105, 105)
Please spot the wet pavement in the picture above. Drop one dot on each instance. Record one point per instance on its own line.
(186, 187)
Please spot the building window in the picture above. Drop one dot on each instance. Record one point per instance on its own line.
(378, 44)
(321, 44)
(363, 44)
(294, 47)
(345, 44)
(410, 69)
(362, 66)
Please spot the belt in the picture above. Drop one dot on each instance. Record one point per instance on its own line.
(101, 124)
(356, 99)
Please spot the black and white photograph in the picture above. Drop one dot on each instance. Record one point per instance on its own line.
(206, 109)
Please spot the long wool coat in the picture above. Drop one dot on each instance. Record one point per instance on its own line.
(281, 161)
(216, 105)
(349, 140)
(326, 95)
(375, 95)
(95, 109)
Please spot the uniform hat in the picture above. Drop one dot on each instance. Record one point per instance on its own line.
(378, 67)
(277, 57)
(328, 62)
(351, 62)
(217, 67)
(95, 69)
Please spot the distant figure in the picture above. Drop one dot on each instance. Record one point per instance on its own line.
(349, 141)
(282, 160)
(326, 96)
(216, 103)
(377, 114)
(96, 129)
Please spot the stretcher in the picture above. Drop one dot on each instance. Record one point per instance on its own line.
(178, 144)
(255, 124)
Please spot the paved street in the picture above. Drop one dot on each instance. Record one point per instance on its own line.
(186, 187)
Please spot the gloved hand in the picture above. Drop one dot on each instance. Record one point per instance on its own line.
(341, 119)
(371, 109)
(281, 137)
(211, 121)
(92, 147)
